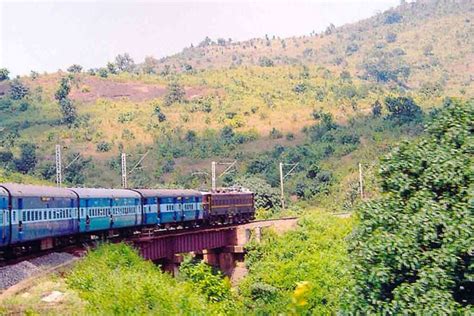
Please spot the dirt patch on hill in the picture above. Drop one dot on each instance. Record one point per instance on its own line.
(90, 89)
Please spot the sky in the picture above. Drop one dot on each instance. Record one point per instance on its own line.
(52, 35)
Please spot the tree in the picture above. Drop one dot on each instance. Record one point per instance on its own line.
(4, 72)
(412, 250)
(111, 68)
(205, 42)
(34, 75)
(150, 65)
(125, 62)
(27, 160)
(391, 37)
(376, 109)
(175, 94)
(18, 90)
(160, 115)
(68, 109)
(265, 196)
(392, 18)
(265, 62)
(75, 69)
(403, 109)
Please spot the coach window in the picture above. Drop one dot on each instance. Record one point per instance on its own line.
(28, 216)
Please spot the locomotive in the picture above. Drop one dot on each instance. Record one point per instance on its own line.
(43, 217)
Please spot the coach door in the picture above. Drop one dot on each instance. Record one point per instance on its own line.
(4, 222)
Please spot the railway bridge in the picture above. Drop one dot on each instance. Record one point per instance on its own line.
(222, 247)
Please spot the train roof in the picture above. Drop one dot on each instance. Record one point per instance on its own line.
(86, 193)
(168, 192)
(3, 192)
(28, 190)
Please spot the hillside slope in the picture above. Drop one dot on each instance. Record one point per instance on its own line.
(318, 100)
(432, 38)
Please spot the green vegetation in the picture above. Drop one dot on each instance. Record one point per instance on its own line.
(304, 271)
(115, 280)
(412, 249)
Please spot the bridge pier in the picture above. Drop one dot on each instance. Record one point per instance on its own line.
(221, 247)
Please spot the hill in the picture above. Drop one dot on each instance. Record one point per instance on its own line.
(326, 101)
(417, 44)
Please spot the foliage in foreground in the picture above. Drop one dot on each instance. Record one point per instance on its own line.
(114, 279)
(303, 271)
(413, 248)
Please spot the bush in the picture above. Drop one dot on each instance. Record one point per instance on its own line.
(23, 106)
(103, 146)
(300, 88)
(391, 37)
(175, 94)
(392, 18)
(160, 115)
(275, 134)
(412, 250)
(18, 90)
(376, 109)
(265, 62)
(402, 109)
(4, 72)
(75, 69)
(28, 159)
(303, 272)
(114, 280)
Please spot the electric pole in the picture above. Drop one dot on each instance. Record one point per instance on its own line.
(281, 187)
(124, 170)
(59, 175)
(213, 171)
(282, 177)
(361, 187)
(213, 176)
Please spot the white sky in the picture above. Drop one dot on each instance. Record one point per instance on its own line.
(47, 36)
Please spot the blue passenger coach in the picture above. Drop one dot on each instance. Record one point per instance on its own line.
(40, 212)
(169, 206)
(102, 209)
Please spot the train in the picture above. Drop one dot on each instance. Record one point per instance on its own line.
(44, 217)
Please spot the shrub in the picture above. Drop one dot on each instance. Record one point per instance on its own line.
(300, 88)
(392, 17)
(160, 115)
(303, 272)
(114, 280)
(103, 146)
(4, 74)
(391, 37)
(23, 106)
(102, 72)
(18, 90)
(412, 249)
(275, 134)
(402, 109)
(352, 48)
(376, 109)
(265, 62)
(5, 104)
(175, 94)
(28, 159)
(75, 68)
